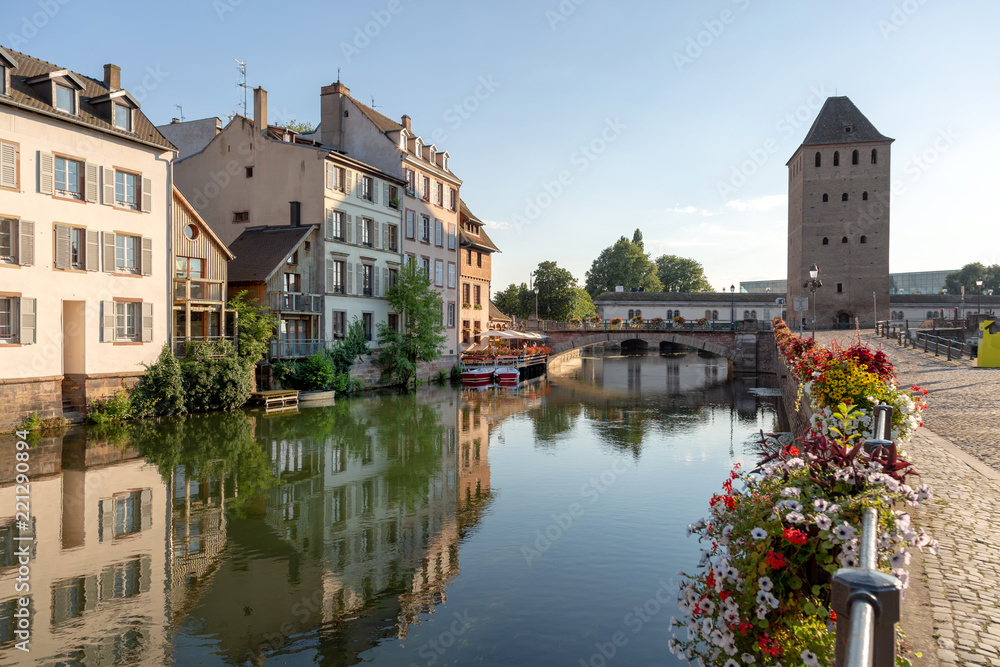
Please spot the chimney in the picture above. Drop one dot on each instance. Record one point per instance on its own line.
(406, 122)
(333, 108)
(113, 76)
(260, 109)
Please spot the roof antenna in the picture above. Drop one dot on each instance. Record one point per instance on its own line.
(242, 67)
(338, 75)
(373, 103)
(181, 109)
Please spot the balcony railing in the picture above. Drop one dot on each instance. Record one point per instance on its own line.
(196, 289)
(294, 302)
(180, 343)
(302, 347)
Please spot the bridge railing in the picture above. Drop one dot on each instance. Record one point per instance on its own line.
(603, 326)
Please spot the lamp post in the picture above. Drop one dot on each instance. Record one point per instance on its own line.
(979, 284)
(732, 305)
(812, 284)
(535, 290)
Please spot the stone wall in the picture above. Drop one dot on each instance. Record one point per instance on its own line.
(372, 374)
(799, 420)
(21, 397)
(767, 353)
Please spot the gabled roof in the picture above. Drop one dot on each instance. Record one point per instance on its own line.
(835, 118)
(260, 251)
(466, 213)
(24, 95)
(204, 228)
(383, 123)
(483, 240)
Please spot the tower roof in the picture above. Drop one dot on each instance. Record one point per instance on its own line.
(840, 122)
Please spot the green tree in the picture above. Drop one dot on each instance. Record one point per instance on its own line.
(555, 291)
(516, 300)
(421, 332)
(680, 274)
(624, 264)
(967, 277)
(299, 126)
(255, 327)
(582, 305)
(161, 389)
(637, 239)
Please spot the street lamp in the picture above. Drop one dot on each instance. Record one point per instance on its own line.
(979, 284)
(536, 302)
(732, 305)
(812, 284)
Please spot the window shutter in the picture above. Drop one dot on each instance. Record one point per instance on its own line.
(62, 259)
(347, 181)
(28, 326)
(328, 181)
(147, 195)
(328, 228)
(358, 231)
(385, 194)
(378, 287)
(409, 224)
(26, 243)
(145, 513)
(359, 189)
(105, 531)
(439, 233)
(90, 188)
(46, 173)
(108, 320)
(146, 263)
(147, 321)
(385, 236)
(109, 252)
(348, 228)
(376, 230)
(8, 166)
(92, 254)
(451, 237)
(329, 275)
(385, 280)
(109, 186)
(361, 278)
(350, 278)
(374, 191)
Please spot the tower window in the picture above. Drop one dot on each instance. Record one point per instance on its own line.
(818, 159)
(826, 241)
(843, 197)
(864, 196)
(864, 239)
(874, 156)
(826, 197)
(836, 158)
(843, 240)
(840, 288)
(854, 157)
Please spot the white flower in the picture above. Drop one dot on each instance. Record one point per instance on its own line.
(731, 663)
(809, 658)
(761, 612)
(748, 659)
(900, 559)
(773, 601)
(765, 583)
(845, 532)
(795, 517)
(706, 627)
(924, 492)
(848, 559)
(833, 509)
(692, 633)
(822, 521)
(731, 616)
(922, 539)
(672, 645)
(821, 505)
(790, 492)
(903, 576)
(758, 533)
(707, 606)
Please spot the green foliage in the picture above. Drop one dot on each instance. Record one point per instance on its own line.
(115, 409)
(516, 300)
(345, 352)
(456, 373)
(967, 277)
(441, 376)
(162, 387)
(31, 423)
(316, 373)
(555, 291)
(223, 383)
(581, 306)
(255, 327)
(680, 274)
(626, 264)
(299, 126)
(637, 239)
(421, 331)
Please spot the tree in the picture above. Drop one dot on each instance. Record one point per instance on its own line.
(516, 300)
(637, 239)
(582, 305)
(967, 277)
(299, 126)
(679, 274)
(421, 332)
(555, 291)
(255, 327)
(624, 264)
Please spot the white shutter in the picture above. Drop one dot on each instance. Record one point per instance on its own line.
(328, 176)
(409, 224)
(451, 274)
(376, 230)
(361, 279)
(109, 186)
(147, 321)
(451, 237)
(146, 262)
(374, 191)
(438, 233)
(63, 239)
(438, 273)
(385, 280)
(92, 254)
(26, 243)
(28, 321)
(385, 194)
(378, 287)
(329, 276)
(46, 173)
(108, 321)
(8, 165)
(348, 228)
(350, 278)
(328, 226)
(347, 181)
(109, 252)
(90, 187)
(145, 518)
(359, 235)
(147, 195)
(385, 236)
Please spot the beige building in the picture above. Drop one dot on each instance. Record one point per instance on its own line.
(251, 174)
(431, 202)
(84, 219)
(838, 218)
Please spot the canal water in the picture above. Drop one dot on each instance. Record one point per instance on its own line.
(542, 525)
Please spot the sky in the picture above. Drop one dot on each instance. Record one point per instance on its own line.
(575, 122)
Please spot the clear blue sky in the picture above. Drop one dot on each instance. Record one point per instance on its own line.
(683, 94)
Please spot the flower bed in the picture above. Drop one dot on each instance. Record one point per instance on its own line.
(775, 535)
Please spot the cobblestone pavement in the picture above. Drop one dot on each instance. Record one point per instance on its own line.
(958, 453)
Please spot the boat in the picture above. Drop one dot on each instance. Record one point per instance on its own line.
(478, 371)
(507, 372)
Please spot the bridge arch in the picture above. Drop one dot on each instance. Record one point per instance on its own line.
(722, 344)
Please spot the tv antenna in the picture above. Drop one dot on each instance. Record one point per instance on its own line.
(373, 103)
(242, 67)
(180, 108)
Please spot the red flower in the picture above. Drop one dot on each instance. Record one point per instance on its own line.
(775, 560)
(795, 536)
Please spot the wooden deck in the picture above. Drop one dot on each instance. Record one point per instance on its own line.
(277, 399)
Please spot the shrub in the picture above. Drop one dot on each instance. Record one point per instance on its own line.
(456, 373)
(217, 384)
(115, 409)
(316, 373)
(31, 423)
(162, 387)
(441, 376)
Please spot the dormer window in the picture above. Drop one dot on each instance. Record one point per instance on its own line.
(123, 117)
(848, 129)
(65, 99)
(418, 147)
(7, 63)
(3, 79)
(444, 162)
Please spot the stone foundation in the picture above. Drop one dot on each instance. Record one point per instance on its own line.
(20, 397)
(102, 385)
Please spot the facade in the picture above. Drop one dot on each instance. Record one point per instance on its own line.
(914, 282)
(199, 292)
(84, 220)
(475, 271)
(838, 215)
(430, 206)
(250, 174)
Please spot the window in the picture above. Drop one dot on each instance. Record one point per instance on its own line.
(466, 301)
(65, 99)
(241, 216)
(393, 200)
(393, 277)
(451, 314)
(864, 196)
(478, 291)
(366, 323)
(191, 232)
(123, 117)
(715, 314)
(818, 159)
(708, 314)
(338, 320)
(479, 260)
(69, 178)
(410, 181)
(451, 237)
(8, 241)
(453, 195)
(77, 247)
(836, 158)
(746, 314)
(874, 156)
(409, 224)
(393, 321)
(826, 241)
(8, 320)
(843, 240)
(465, 331)
(439, 192)
(126, 189)
(468, 257)
(425, 191)
(337, 276)
(840, 288)
(127, 320)
(864, 239)
(366, 279)
(451, 275)
(753, 314)
(826, 197)
(439, 273)
(366, 231)
(854, 157)
(425, 229)
(425, 265)
(128, 517)
(392, 238)
(843, 197)
(293, 282)
(334, 177)
(670, 314)
(367, 185)
(126, 253)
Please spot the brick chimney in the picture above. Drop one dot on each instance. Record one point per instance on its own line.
(334, 103)
(260, 109)
(113, 76)
(405, 122)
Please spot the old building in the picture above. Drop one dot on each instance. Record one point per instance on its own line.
(84, 220)
(838, 216)
(475, 273)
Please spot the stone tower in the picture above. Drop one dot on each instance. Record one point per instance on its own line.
(838, 218)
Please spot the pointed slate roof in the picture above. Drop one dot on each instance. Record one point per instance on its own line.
(260, 251)
(840, 122)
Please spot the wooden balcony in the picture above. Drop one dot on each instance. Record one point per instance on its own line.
(294, 302)
(198, 289)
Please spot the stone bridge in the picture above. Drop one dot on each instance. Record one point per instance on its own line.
(747, 352)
